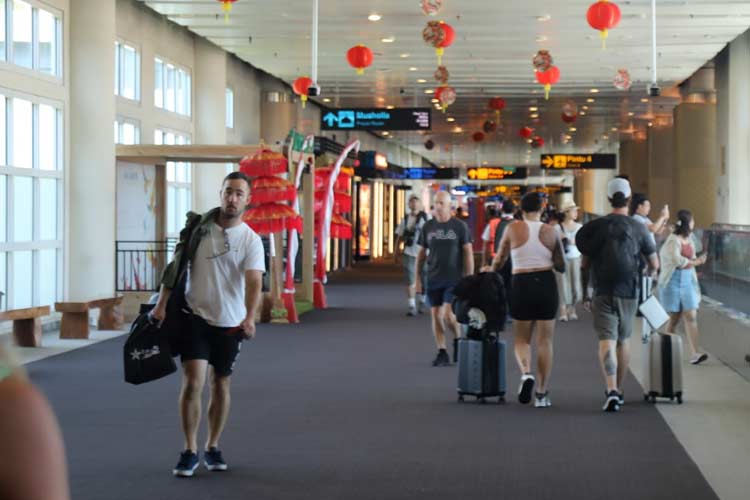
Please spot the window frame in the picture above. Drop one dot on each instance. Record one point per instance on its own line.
(122, 120)
(120, 44)
(177, 70)
(177, 185)
(229, 107)
(7, 63)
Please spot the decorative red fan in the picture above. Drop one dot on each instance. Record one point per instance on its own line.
(263, 162)
(272, 218)
(270, 189)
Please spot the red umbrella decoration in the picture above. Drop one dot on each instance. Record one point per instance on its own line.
(301, 86)
(272, 218)
(431, 7)
(446, 95)
(226, 6)
(603, 16)
(537, 142)
(342, 200)
(359, 57)
(526, 132)
(267, 189)
(489, 126)
(441, 75)
(542, 60)
(340, 227)
(497, 104)
(548, 79)
(440, 35)
(322, 174)
(569, 118)
(263, 162)
(477, 136)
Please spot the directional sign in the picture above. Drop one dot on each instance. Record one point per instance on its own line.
(496, 173)
(430, 173)
(376, 119)
(584, 161)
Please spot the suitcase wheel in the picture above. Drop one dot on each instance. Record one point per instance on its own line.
(645, 397)
(460, 398)
(481, 401)
(679, 399)
(501, 400)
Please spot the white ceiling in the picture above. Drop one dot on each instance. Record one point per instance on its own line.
(491, 56)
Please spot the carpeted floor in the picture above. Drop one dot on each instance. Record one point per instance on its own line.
(346, 406)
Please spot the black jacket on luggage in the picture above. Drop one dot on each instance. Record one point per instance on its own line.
(486, 292)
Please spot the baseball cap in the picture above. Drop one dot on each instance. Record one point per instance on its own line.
(618, 185)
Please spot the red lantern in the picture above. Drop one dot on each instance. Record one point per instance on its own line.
(263, 162)
(497, 104)
(603, 16)
(300, 87)
(537, 142)
(478, 136)
(226, 6)
(569, 118)
(441, 74)
(548, 79)
(268, 189)
(272, 218)
(440, 35)
(359, 57)
(526, 132)
(446, 96)
(489, 126)
(429, 144)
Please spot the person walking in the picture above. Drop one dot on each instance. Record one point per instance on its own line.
(569, 282)
(640, 207)
(535, 250)
(445, 243)
(488, 235)
(224, 260)
(408, 231)
(678, 283)
(613, 248)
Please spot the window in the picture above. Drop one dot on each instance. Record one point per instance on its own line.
(34, 37)
(127, 71)
(179, 182)
(230, 108)
(172, 87)
(31, 201)
(127, 131)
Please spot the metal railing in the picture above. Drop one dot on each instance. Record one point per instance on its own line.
(139, 264)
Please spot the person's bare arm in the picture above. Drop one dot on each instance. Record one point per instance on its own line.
(253, 286)
(468, 259)
(551, 239)
(503, 253)
(585, 273)
(159, 312)
(420, 262)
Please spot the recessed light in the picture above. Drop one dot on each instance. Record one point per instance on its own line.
(421, 80)
(391, 106)
(594, 91)
(450, 119)
(434, 100)
(404, 56)
(544, 18)
(584, 107)
(325, 99)
(413, 68)
(458, 130)
(541, 39)
(429, 91)
(534, 115)
(590, 100)
(605, 137)
(381, 99)
(374, 17)
(650, 124)
(631, 114)
(533, 108)
(644, 100)
(388, 39)
(572, 129)
(582, 113)
(614, 129)
(386, 133)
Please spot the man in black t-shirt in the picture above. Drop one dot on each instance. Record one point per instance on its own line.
(450, 258)
(613, 247)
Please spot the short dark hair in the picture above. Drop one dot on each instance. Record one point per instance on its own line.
(636, 201)
(619, 200)
(531, 202)
(491, 212)
(508, 207)
(682, 226)
(237, 175)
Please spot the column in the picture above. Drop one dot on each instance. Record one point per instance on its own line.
(209, 94)
(279, 114)
(661, 168)
(634, 164)
(91, 174)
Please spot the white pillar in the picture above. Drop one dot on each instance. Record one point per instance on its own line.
(91, 173)
(210, 77)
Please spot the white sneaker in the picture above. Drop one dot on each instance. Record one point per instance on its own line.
(542, 400)
(698, 358)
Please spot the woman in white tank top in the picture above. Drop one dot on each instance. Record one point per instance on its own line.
(535, 250)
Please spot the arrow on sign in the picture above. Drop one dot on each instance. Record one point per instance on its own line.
(331, 118)
(547, 161)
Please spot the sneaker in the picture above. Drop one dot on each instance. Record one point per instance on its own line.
(563, 318)
(525, 388)
(442, 358)
(620, 397)
(213, 460)
(187, 464)
(421, 307)
(573, 316)
(698, 358)
(541, 400)
(612, 403)
(412, 311)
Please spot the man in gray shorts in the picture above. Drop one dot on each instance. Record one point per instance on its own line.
(408, 231)
(612, 247)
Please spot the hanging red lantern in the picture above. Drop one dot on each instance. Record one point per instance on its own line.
(542, 60)
(272, 218)
(267, 189)
(548, 79)
(537, 142)
(431, 7)
(622, 80)
(301, 86)
(603, 16)
(569, 118)
(440, 35)
(526, 132)
(359, 57)
(478, 136)
(441, 75)
(497, 104)
(429, 144)
(226, 6)
(446, 96)
(489, 126)
(570, 108)
(263, 162)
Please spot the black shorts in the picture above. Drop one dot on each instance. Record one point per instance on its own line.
(534, 296)
(212, 343)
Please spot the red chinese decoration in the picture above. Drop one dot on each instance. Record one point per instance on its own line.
(622, 80)
(548, 79)
(300, 87)
(441, 74)
(340, 227)
(542, 60)
(603, 16)
(537, 142)
(497, 104)
(359, 57)
(272, 218)
(446, 96)
(263, 162)
(526, 132)
(268, 189)
(478, 136)
(569, 118)
(431, 7)
(226, 6)
(440, 35)
(489, 126)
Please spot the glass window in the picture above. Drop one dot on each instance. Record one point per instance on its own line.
(47, 276)
(22, 286)
(128, 72)
(129, 133)
(3, 135)
(117, 68)
(47, 137)
(47, 43)
(188, 96)
(159, 83)
(22, 133)
(180, 92)
(230, 108)
(171, 210)
(117, 132)
(3, 209)
(23, 208)
(3, 278)
(171, 171)
(2, 36)
(22, 29)
(169, 93)
(48, 209)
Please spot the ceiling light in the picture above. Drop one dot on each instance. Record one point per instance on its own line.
(390, 107)
(541, 39)
(590, 100)
(484, 163)
(381, 99)
(584, 107)
(386, 133)
(572, 129)
(325, 99)
(450, 119)
(614, 129)
(644, 100)
(582, 113)
(533, 108)
(413, 68)
(433, 100)
(374, 17)
(605, 137)
(421, 80)
(389, 39)
(631, 114)
(534, 115)
(429, 91)
(528, 140)
(404, 56)
(458, 130)
(594, 91)
(544, 18)
(650, 124)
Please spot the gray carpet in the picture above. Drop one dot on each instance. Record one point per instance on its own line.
(347, 406)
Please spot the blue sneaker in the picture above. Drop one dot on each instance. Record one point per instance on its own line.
(187, 464)
(213, 460)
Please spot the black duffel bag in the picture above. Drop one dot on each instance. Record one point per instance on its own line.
(146, 354)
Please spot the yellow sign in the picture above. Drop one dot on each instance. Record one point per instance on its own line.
(491, 174)
(593, 161)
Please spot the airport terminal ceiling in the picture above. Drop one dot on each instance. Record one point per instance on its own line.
(491, 57)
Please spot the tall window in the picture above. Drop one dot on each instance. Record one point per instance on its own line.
(127, 131)
(230, 108)
(127, 71)
(30, 37)
(179, 183)
(31, 183)
(172, 87)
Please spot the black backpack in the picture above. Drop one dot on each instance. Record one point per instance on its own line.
(146, 354)
(499, 231)
(410, 235)
(615, 250)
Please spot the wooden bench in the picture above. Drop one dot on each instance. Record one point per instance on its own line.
(75, 316)
(27, 324)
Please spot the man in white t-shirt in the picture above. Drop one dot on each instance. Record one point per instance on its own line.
(408, 231)
(224, 273)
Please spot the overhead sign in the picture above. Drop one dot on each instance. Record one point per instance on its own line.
(429, 173)
(585, 161)
(376, 119)
(496, 173)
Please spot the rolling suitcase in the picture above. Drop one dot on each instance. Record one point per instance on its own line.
(664, 370)
(481, 368)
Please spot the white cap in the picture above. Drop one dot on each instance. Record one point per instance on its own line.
(618, 185)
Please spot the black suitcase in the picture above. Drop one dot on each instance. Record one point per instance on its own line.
(481, 368)
(146, 354)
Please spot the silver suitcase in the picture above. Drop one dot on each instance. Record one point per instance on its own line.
(664, 370)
